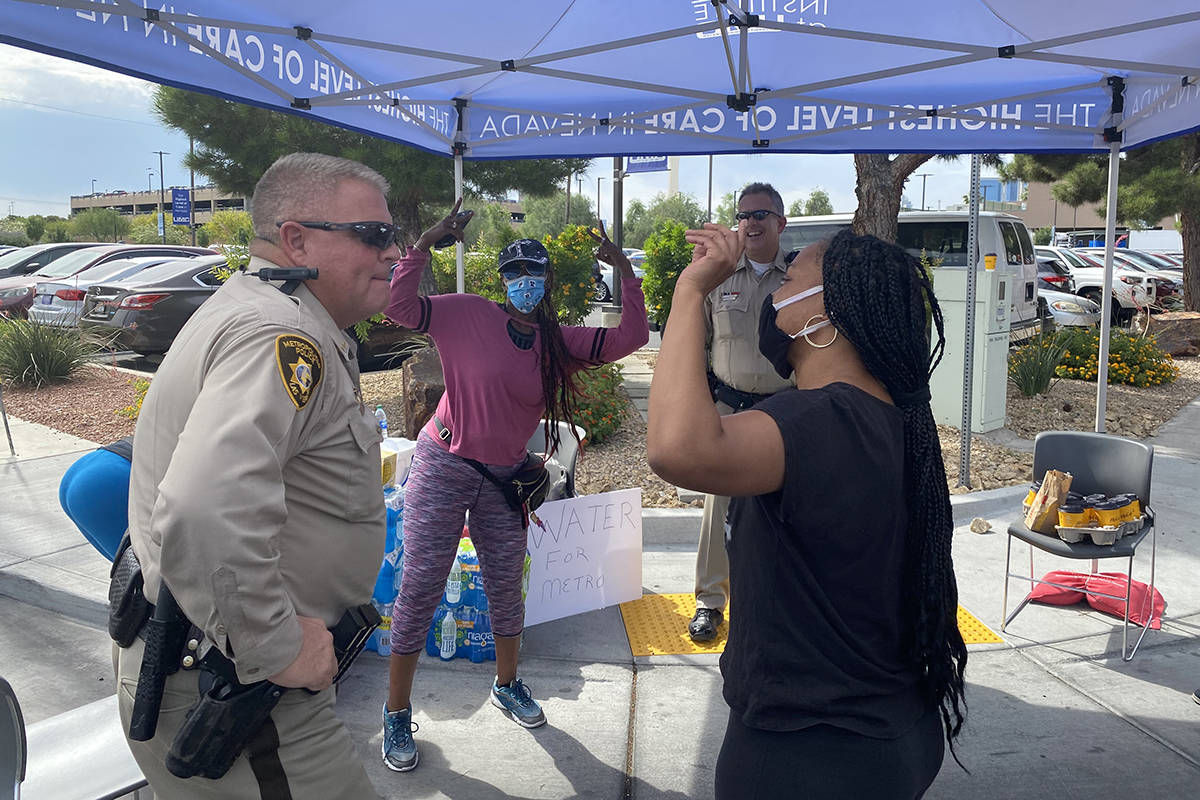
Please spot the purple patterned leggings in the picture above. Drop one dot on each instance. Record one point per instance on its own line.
(442, 488)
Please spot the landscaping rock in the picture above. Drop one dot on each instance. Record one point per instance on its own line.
(1177, 332)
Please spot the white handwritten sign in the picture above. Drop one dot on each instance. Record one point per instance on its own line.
(586, 555)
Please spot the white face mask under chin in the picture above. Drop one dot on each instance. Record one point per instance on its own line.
(809, 327)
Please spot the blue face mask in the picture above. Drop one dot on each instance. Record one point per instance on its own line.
(526, 292)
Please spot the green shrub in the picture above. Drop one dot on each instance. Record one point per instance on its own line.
(1132, 360)
(479, 273)
(572, 255)
(667, 254)
(32, 354)
(1032, 367)
(601, 404)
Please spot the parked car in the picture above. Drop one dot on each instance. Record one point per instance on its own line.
(144, 312)
(60, 302)
(1131, 289)
(602, 274)
(7, 248)
(16, 293)
(636, 257)
(1069, 310)
(1055, 275)
(25, 260)
(941, 237)
(1135, 260)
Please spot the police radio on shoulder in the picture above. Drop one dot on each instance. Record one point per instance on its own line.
(285, 273)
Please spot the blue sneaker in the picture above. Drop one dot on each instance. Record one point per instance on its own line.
(516, 700)
(399, 748)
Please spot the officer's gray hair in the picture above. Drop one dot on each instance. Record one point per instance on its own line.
(296, 186)
(769, 191)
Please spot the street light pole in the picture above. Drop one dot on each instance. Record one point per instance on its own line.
(923, 176)
(598, 179)
(162, 195)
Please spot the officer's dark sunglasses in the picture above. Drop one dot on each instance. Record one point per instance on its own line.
(759, 214)
(380, 235)
(513, 270)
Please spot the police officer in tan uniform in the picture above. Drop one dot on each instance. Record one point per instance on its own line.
(739, 378)
(255, 493)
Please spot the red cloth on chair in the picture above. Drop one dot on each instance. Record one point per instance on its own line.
(1109, 583)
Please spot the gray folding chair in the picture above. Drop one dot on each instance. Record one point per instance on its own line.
(1098, 463)
(567, 452)
(14, 748)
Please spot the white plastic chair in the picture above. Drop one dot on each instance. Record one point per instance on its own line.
(567, 452)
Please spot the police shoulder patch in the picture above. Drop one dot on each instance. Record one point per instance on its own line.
(300, 367)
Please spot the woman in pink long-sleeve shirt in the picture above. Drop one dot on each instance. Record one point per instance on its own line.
(505, 367)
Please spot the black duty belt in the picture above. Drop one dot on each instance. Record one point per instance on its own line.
(734, 398)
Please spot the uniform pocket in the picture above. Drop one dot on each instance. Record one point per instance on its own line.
(729, 315)
(364, 492)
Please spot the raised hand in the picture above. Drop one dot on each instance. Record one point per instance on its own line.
(716, 253)
(609, 253)
(449, 229)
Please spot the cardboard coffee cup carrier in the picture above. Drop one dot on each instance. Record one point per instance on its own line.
(1042, 515)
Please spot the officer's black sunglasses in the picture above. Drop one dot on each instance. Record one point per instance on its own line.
(380, 235)
(759, 214)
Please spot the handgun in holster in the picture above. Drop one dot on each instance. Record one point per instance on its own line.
(229, 714)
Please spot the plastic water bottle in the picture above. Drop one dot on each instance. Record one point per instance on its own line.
(447, 643)
(454, 584)
(382, 418)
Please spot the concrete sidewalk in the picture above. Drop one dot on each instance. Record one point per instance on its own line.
(1053, 711)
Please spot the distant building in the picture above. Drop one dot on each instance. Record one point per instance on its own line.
(998, 191)
(206, 199)
(1043, 211)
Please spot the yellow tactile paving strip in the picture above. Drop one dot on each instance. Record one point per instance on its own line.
(657, 624)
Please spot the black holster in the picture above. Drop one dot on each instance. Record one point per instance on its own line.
(228, 714)
(128, 608)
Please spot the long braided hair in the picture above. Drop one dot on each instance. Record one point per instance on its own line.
(881, 299)
(556, 366)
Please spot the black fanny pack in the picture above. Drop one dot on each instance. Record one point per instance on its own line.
(524, 490)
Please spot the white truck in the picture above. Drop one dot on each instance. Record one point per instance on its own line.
(1156, 241)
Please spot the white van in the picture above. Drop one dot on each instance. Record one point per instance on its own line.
(943, 235)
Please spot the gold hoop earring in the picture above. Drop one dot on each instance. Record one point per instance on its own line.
(807, 335)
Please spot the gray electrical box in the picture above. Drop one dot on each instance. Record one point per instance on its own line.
(990, 382)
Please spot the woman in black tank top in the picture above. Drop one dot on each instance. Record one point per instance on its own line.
(844, 648)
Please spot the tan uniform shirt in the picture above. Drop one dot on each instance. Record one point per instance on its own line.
(255, 489)
(731, 312)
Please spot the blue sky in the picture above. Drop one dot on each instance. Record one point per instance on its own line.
(64, 124)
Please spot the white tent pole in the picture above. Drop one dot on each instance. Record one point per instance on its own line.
(964, 446)
(1110, 234)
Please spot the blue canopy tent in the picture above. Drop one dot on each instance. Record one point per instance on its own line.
(583, 78)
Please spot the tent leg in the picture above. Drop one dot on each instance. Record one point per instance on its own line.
(461, 281)
(4, 415)
(1110, 234)
(964, 458)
